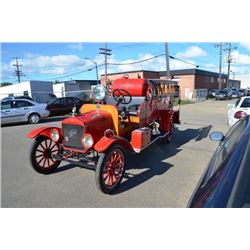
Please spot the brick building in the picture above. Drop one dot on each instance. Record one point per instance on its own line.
(133, 74)
(190, 80)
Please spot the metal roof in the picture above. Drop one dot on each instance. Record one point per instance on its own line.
(175, 72)
(133, 71)
(191, 72)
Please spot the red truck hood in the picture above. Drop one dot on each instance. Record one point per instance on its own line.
(88, 118)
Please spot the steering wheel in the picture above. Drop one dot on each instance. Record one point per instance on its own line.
(119, 95)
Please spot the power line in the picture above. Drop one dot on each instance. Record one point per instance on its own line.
(130, 63)
(144, 60)
(172, 57)
(76, 73)
(128, 45)
(229, 60)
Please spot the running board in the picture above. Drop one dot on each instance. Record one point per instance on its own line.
(89, 164)
(86, 163)
(154, 140)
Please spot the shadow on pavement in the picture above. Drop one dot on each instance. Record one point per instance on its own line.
(151, 161)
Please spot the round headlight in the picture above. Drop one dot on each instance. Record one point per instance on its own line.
(54, 134)
(87, 141)
(99, 92)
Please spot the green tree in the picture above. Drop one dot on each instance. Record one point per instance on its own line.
(3, 84)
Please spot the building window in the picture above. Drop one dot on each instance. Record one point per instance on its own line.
(212, 79)
(206, 79)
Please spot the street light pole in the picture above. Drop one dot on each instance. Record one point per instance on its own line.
(96, 68)
(167, 61)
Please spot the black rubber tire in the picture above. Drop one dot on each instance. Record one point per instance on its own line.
(32, 121)
(34, 159)
(101, 165)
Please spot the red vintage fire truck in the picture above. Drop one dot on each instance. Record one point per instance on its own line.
(128, 118)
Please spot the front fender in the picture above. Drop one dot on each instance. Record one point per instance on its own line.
(104, 143)
(45, 131)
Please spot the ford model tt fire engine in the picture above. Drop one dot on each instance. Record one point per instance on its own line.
(127, 118)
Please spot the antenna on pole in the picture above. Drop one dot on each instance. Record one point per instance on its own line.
(220, 46)
(229, 60)
(18, 72)
(106, 52)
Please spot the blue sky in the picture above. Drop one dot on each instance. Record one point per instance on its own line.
(64, 61)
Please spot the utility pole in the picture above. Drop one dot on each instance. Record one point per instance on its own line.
(167, 61)
(233, 74)
(96, 68)
(229, 61)
(220, 46)
(18, 72)
(106, 52)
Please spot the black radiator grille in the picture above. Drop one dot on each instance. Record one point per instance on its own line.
(72, 136)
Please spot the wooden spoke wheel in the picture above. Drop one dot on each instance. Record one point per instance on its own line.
(110, 169)
(41, 155)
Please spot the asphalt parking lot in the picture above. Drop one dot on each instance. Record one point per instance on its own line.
(161, 176)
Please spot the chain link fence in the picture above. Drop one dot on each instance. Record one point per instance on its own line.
(200, 95)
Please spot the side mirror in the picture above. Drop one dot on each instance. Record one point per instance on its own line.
(216, 136)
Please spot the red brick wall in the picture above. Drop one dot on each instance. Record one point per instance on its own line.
(205, 82)
(186, 85)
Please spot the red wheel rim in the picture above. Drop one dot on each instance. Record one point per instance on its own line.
(43, 153)
(113, 168)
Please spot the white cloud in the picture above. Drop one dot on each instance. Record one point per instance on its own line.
(41, 64)
(5, 71)
(241, 58)
(245, 80)
(156, 64)
(33, 60)
(240, 70)
(175, 64)
(54, 71)
(77, 46)
(193, 51)
(64, 60)
(245, 45)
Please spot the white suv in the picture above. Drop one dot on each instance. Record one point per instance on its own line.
(238, 110)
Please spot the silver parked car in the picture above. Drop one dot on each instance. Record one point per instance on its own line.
(21, 110)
